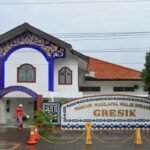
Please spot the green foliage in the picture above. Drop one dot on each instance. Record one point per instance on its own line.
(146, 73)
(42, 118)
(44, 121)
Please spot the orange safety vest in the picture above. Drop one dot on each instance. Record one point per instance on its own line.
(19, 112)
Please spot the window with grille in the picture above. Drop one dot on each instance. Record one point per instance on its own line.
(123, 89)
(26, 73)
(65, 76)
(90, 89)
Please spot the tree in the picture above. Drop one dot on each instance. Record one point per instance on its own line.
(146, 73)
(43, 120)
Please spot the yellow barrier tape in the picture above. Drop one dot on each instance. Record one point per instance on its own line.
(67, 142)
(121, 142)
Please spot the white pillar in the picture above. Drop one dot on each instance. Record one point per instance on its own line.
(2, 112)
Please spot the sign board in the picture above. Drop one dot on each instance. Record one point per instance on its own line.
(55, 109)
(107, 111)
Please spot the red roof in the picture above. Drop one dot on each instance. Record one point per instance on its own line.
(108, 71)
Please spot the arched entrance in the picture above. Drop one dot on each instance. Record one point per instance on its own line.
(4, 103)
(50, 63)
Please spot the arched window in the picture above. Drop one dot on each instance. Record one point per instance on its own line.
(65, 76)
(26, 73)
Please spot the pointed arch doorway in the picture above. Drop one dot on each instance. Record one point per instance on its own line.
(7, 105)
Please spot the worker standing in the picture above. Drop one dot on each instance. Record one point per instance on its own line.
(19, 116)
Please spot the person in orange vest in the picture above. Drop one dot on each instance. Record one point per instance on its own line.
(19, 115)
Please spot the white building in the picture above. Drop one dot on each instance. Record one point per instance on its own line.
(36, 66)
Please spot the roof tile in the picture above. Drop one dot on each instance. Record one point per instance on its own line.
(108, 71)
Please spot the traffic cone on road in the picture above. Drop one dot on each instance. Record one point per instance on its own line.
(32, 139)
(37, 135)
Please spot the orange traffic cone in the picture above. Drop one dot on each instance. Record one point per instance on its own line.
(32, 137)
(37, 135)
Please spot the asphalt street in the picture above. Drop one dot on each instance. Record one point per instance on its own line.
(11, 139)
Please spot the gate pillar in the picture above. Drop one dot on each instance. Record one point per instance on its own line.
(39, 102)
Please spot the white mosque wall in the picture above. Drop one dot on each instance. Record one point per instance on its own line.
(106, 87)
(71, 63)
(30, 56)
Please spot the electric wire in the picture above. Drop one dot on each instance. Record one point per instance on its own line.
(109, 50)
(73, 2)
(102, 36)
(104, 33)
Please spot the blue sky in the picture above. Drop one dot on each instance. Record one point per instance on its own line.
(85, 26)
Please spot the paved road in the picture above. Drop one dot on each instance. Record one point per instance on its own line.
(11, 139)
